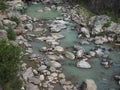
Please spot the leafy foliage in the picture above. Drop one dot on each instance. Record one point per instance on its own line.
(10, 33)
(3, 6)
(107, 24)
(10, 57)
(14, 84)
(15, 19)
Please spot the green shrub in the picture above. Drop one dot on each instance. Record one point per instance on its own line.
(15, 19)
(107, 24)
(10, 56)
(14, 84)
(10, 33)
(3, 6)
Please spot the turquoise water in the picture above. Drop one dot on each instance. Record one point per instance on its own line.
(102, 76)
(32, 11)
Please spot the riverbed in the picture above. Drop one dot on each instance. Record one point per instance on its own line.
(103, 77)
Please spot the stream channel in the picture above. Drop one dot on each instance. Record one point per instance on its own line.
(102, 76)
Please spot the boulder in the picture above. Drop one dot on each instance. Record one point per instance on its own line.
(40, 10)
(85, 31)
(42, 67)
(53, 64)
(80, 53)
(23, 18)
(89, 84)
(53, 57)
(47, 9)
(34, 80)
(29, 26)
(28, 73)
(57, 36)
(42, 77)
(84, 43)
(77, 47)
(31, 86)
(83, 64)
(97, 23)
(69, 55)
(20, 31)
(7, 22)
(78, 18)
(59, 49)
(58, 25)
(39, 29)
(57, 28)
(100, 40)
(92, 53)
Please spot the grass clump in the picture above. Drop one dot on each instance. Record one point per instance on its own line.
(3, 6)
(10, 32)
(107, 24)
(15, 19)
(10, 56)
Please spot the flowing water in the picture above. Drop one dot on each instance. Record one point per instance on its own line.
(103, 77)
(33, 12)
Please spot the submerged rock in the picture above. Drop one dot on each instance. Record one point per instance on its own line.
(57, 36)
(77, 47)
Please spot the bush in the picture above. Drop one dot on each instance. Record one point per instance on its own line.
(107, 24)
(3, 6)
(14, 84)
(10, 33)
(15, 19)
(10, 57)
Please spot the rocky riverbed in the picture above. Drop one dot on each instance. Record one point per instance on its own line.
(64, 51)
